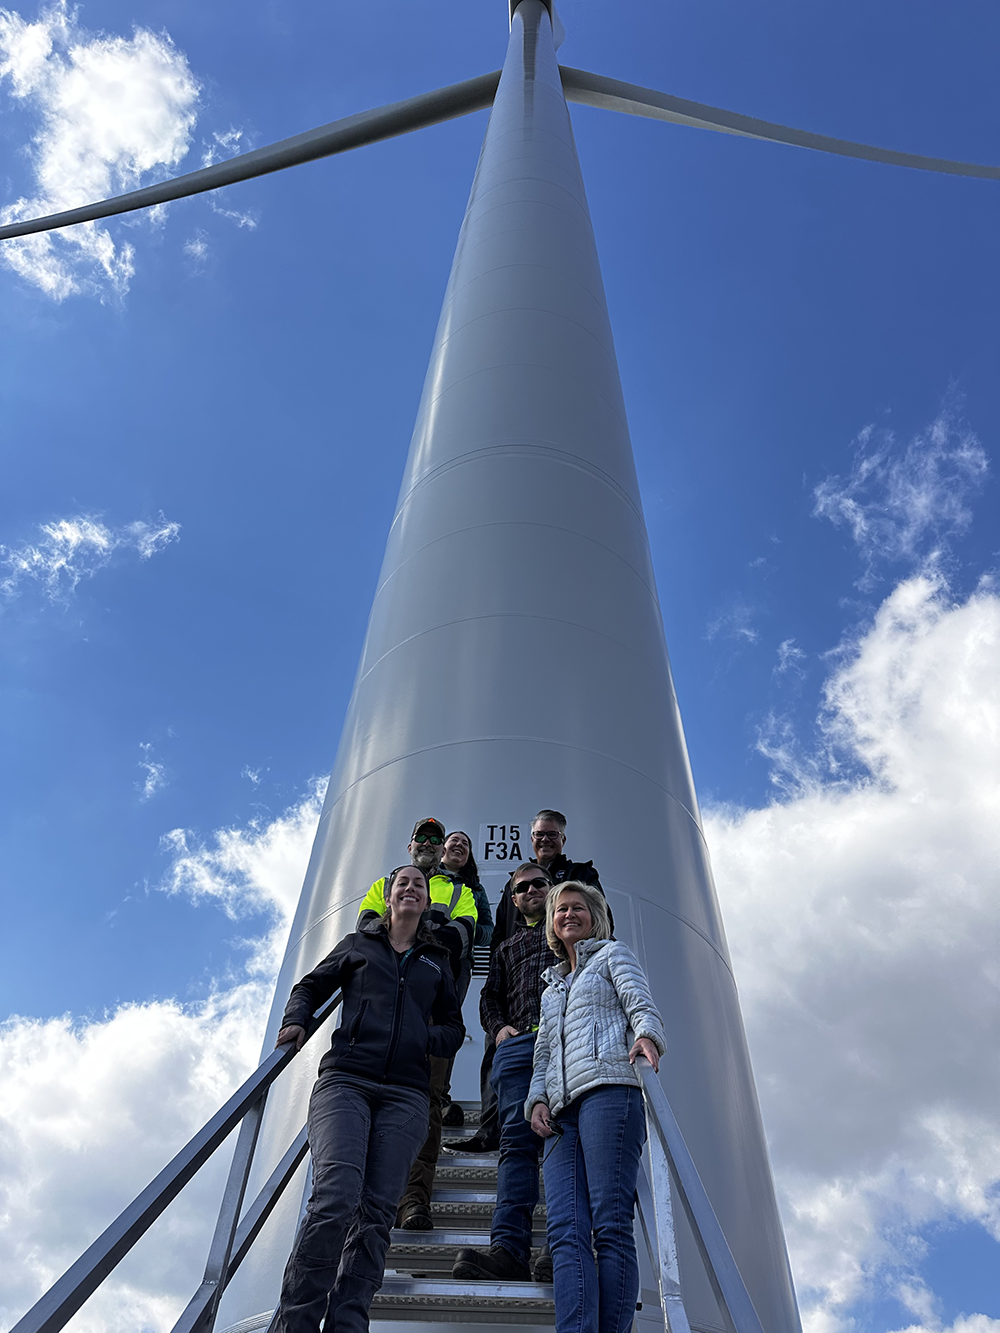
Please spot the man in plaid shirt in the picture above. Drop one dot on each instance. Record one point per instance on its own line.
(509, 1010)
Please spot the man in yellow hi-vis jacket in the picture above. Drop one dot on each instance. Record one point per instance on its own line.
(452, 916)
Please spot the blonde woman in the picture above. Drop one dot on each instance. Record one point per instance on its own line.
(585, 1096)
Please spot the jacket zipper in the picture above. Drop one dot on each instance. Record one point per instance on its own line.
(396, 1018)
(358, 1019)
(596, 1055)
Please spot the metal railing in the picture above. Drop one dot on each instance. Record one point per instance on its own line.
(233, 1236)
(671, 1161)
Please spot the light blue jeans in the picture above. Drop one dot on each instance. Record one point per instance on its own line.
(590, 1175)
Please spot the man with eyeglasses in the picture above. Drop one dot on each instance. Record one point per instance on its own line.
(548, 838)
(452, 916)
(509, 1010)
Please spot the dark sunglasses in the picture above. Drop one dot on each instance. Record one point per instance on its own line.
(433, 838)
(523, 885)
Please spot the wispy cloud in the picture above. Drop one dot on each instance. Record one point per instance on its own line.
(789, 657)
(904, 502)
(735, 622)
(111, 113)
(225, 144)
(196, 247)
(155, 773)
(72, 549)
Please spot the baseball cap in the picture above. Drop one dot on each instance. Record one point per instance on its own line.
(424, 823)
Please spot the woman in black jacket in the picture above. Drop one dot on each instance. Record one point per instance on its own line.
(368, 1110)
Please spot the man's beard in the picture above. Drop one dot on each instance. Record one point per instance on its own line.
(425, 859)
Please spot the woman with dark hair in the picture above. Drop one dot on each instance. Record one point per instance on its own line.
(585, 1091)
(368, 1110)
(458, 863)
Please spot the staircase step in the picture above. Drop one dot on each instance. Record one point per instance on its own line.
(456, 1215)
(453, 1302)
(420, 1252)
(465, 1168)
(455, 1193)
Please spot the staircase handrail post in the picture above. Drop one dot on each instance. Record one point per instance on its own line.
(735, 1305)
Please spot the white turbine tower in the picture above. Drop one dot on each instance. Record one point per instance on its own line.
(515, 655)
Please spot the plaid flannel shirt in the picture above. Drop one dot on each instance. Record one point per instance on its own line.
(512, 993)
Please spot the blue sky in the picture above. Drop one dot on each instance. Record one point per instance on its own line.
(808, 349)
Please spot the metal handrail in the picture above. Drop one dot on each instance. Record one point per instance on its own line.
(735, 1304)
(230, 1243)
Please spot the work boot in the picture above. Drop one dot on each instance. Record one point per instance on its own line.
(496, 1263)
(541, 1269)
(475, 1144)
(415, 1217)
(454, 1116)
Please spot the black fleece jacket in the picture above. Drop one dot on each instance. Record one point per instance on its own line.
(394, 1015)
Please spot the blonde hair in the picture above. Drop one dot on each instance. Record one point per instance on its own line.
(600, 923)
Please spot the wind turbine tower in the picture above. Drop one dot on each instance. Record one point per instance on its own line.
(515, 658)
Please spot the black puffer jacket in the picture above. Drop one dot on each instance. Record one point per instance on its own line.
(393, 1016)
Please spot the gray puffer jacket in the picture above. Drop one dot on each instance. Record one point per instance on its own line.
(582, 1038)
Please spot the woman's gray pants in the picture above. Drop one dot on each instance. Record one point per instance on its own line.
(363, 1137)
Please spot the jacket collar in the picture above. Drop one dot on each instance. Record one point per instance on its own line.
(585, 950)
(377, 929)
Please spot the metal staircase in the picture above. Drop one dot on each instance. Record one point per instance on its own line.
(418, 1286)
(418, 1282)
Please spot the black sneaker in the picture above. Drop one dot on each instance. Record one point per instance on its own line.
(495, 1264)
(475, 1144)
(542, 1268)
(454, 1116)
(417, 1217)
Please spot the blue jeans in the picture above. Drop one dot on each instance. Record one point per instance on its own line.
(520, 1148)
(363, 1137)
(590, 1175)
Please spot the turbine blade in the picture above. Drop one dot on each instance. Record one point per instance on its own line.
(613, 95)
(458, 99)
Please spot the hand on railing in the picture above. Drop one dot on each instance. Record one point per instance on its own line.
(642, 1046)
(292, 1033)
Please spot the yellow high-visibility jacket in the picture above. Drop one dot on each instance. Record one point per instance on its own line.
(448, 895)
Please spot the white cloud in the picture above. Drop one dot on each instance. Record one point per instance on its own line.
(147, 1076)
(225, 144)
(156, 773)
(72, 549)
(735, 622)
(71, 1095)
(789, 657)
(112, 113)
(862, 914)
(248, 871)
(196, 247)
(904, 503)
(977, 1323)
